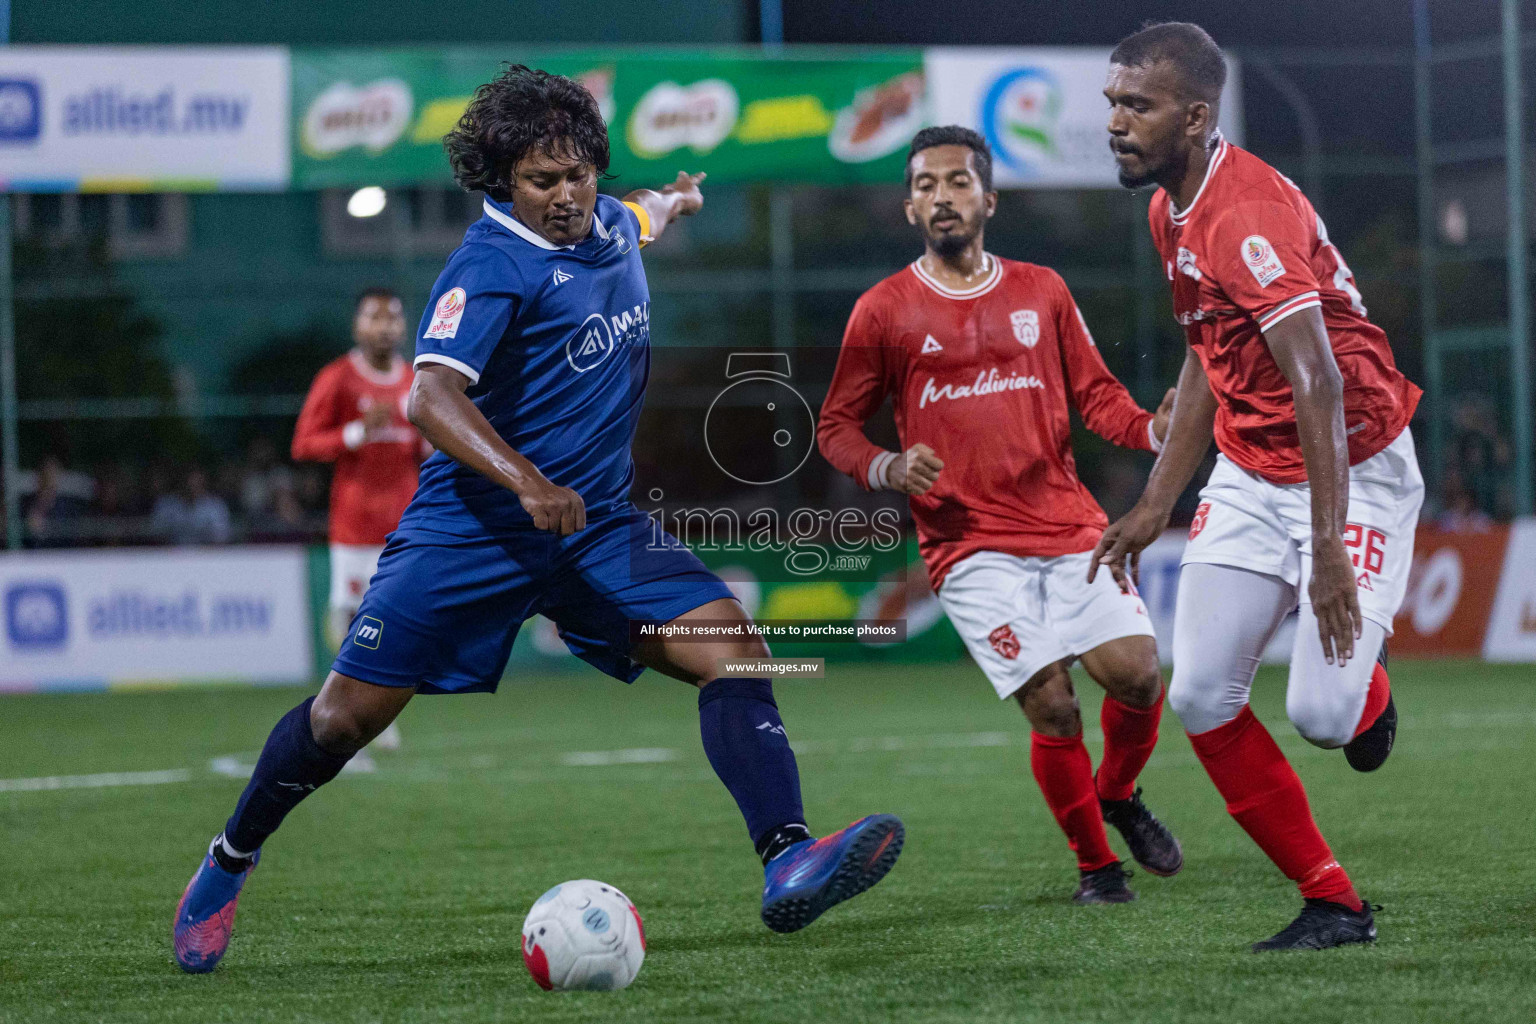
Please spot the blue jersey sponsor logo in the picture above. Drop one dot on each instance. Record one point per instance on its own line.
(36, 616)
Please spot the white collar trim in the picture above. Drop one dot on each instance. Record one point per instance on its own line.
(384, 377)
(1210, 172)
(527, 234)
(994, 274)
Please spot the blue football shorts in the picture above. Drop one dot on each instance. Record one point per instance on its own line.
(443, 610)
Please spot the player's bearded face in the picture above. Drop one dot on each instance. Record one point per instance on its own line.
(947, 201)
(554, 193)
(1146, 120)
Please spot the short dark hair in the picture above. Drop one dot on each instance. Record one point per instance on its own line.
(374, 292)
(954, 135)
(1187, 46)
(516, 113)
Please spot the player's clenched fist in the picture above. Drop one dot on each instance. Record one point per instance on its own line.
(554, 508)
(914, 470)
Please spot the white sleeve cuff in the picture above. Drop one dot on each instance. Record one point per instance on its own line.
(877, 467)
(1294, 304)
(1157, 446)
(352, 435)
(451, 363)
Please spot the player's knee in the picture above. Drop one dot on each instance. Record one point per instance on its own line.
(341, 729)
(1139, 685)
(1321, 722)
(1051, 711)
(1199, 699)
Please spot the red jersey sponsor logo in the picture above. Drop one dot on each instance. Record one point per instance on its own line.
(987, 383)
(1004, 642)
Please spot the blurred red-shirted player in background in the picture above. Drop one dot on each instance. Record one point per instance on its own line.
(354, 416)
(983, 359)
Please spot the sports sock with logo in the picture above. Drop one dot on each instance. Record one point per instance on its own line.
(1375, 699)
(1267, 799)
(1065, 775)
(1129, 736)
(292, 766)
(745, 742)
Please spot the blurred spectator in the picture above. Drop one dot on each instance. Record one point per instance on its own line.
(283, 518)
(262, 478)
(1458, 510)
(52, 499)
(1481, 457)
(192, 514)
(112, 507)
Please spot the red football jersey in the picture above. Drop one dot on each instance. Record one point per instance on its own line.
(1247, 253)
(984, 378)
(375, 477)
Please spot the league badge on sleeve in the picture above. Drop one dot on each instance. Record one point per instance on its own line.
(446, 317)
(1259, 257)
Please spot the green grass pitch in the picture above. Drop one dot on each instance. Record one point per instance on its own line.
(398, 895)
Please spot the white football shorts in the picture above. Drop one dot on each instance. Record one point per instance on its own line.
(1018, 615)
(352, 566)
(1245, 521)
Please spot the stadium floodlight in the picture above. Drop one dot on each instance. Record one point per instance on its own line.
(367, 201)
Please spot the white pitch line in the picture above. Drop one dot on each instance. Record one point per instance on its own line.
(601, 758)
(103, 780)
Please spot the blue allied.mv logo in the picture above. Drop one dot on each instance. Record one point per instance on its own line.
(369, 632)
(21, 110)
(36, 616)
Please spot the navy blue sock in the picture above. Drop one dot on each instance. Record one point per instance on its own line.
(292, 766)
(745, 743)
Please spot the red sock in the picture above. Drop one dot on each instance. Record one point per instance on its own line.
(1065, 775)
(1375, 699)
(1265, 796)
(1129, 736)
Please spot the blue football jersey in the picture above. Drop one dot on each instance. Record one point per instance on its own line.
(556, 342)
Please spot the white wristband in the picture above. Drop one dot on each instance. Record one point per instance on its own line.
(877, 469)
(1157, 446)
(353, 434)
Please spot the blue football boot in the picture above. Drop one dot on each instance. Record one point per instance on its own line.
(205, 917)
(803, 882)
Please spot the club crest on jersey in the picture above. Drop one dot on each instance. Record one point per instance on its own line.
(1026, 326)
(446, 317)
(1004, 642)
(1260, 259)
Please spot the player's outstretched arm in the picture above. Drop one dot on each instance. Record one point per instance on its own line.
(682, 198)
(452, 424)
(1300, 346)
(1190, 422)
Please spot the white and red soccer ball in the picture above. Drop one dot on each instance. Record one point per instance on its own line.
(583, 935)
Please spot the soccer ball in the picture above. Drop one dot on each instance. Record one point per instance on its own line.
(583, 935)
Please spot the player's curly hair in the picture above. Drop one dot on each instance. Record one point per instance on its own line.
(954, 135)
(1187, 46)
(516, 113)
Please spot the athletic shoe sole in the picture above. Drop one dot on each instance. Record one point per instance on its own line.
(868, 859)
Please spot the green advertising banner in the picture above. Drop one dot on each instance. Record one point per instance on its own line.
(379, 116)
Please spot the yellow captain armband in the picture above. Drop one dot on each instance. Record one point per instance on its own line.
(645, 223)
